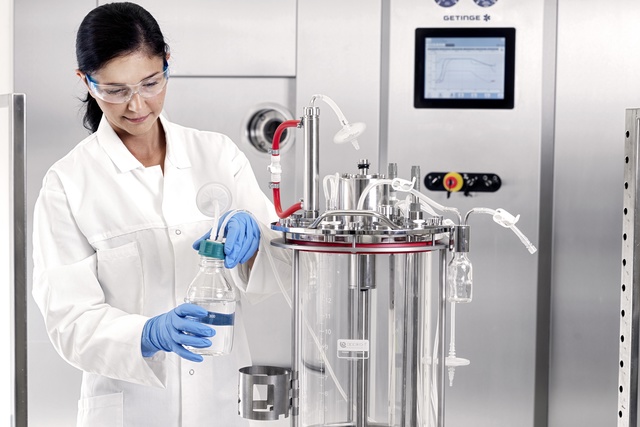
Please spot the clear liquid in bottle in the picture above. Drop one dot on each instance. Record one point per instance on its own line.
(212, 290)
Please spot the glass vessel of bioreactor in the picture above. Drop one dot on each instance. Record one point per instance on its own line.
(368, 299)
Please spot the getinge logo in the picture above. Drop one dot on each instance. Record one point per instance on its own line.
(485, 18)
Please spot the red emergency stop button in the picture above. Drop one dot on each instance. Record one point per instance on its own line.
(452, 182)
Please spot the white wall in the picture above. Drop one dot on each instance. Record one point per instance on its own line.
(6, 295)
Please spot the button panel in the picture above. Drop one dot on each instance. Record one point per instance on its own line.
(465, 182)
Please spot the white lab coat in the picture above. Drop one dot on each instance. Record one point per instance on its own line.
(112, 248)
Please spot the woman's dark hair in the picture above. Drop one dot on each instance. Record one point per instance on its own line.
(110, 31)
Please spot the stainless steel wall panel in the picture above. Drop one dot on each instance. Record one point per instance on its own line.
(339, 56)
(497, 331)
(228, 38)
(596, 82)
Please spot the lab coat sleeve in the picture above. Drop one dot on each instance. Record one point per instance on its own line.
(270, 274)
(88, 333)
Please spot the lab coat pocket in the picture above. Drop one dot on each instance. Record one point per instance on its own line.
(101, 411)
(120, 275)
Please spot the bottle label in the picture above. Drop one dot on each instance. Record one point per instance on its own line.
(218, 319)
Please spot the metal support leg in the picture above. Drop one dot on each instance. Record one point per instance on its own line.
(296, 332)
(364, 267)
(442, 351)
(410, 344)
(353, 304)
(362, 373)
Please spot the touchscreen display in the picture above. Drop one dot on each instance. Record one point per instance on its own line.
(464, 68)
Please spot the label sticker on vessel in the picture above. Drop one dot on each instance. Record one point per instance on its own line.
(353, 349)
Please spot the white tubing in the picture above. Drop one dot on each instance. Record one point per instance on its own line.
(220, 236)
(368, 188)
(325, 187)
(403, 185)
(436, 205)
(333, 105)
(530, 247)
(331, 195)
(398, 184)
(349, 131)
(505, 219)
(428, 209)
(216, 218)
(334, 190)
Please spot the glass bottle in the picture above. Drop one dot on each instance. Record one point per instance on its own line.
(459, 274)
(211, 290)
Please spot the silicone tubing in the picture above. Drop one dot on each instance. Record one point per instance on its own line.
(278, 205)
(331, 196)
(512, 226)
(278, 133)
(220, 236)
(275, 185)
(330, 102)
(403, 185)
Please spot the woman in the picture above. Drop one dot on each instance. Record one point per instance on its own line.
(114, 226)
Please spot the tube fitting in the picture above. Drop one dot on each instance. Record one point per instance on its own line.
(461, 238)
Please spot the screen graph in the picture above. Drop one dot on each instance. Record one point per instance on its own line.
(464, 68)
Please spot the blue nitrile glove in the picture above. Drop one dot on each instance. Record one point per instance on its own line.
(170, 331)
(242, 235)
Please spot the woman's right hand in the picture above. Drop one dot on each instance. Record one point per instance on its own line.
(242, 238)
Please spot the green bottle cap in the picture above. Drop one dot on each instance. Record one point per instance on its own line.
(211, 249)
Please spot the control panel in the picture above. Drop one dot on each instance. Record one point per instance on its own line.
(465, 182)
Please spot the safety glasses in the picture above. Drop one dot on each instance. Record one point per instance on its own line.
(121, 93)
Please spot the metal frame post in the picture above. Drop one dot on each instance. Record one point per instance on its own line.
(630, 283)
(16, 104)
